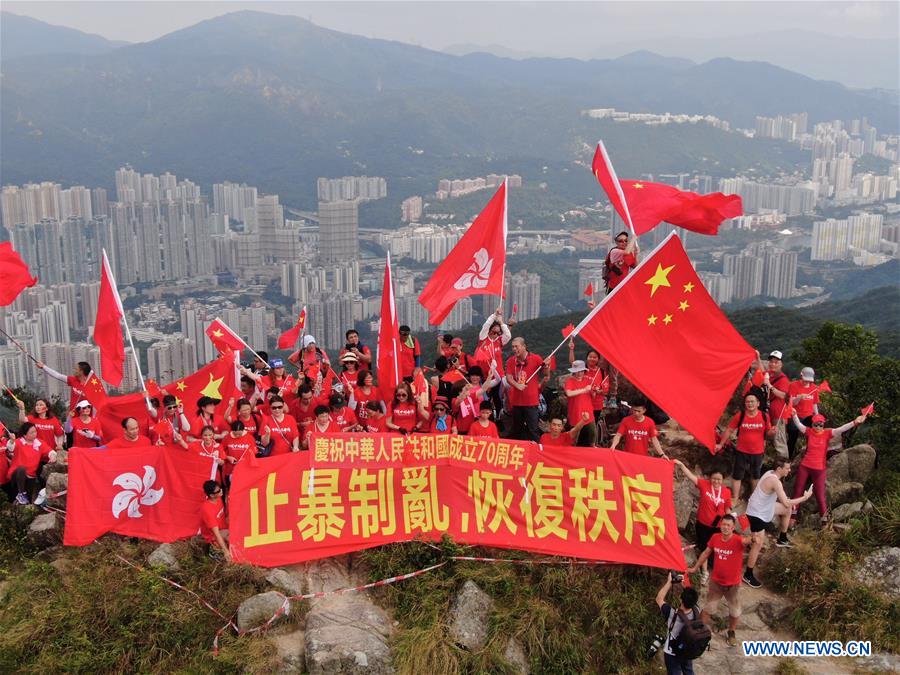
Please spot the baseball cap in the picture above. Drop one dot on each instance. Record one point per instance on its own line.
(808, 374)
(276, 363)
(577, 367)
(776, 354)
(82, 404)
(308, 340)
(349, 356)
(456, 342)
(818, 418)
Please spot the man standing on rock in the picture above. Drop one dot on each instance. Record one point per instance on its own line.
(767, 502)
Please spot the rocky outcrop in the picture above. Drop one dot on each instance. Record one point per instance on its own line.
(881, 570)
(59, 465)
(164, 556)
(258, 609)
(846, 512)
(853, 465)
(470, 616)
(288, 582)
(45, 531)
(686, 499)
(57, 486)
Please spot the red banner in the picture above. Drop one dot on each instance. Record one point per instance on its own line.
(353, 491)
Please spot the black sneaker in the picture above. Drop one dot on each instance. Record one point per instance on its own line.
(783, 542)
(751, 580)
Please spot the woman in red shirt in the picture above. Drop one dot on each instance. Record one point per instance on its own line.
(237, 444)
(49, 429)
(364, 392)
(813, 467)
(28, 454)
(715, 502)
(376, 420)
(578, 390)
(207, 446)
(322, 424)
(750, 427)
(404, 414)
(172, 428)
(207, 417)
(349, 374)
(86, 429)
(284, 432)
(441, 421)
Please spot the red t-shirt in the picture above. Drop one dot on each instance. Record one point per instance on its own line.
(212, 514)
(361, 398)
(637, 435)
(217, 423)
(780, 382)
(79, 440)
(564, 440)
(752, 435)
(521, 371)
(713, 503)
(79, 390)
(490, 431)
(495, 348)
(378, 426)
(408, 357)
(599, 388)
(47, 429)
(305, 414)
(29, 455)
(164, 431)
(343, 418)
(805, 407)
(404, 415)
(620, 264)
(729, 559)
(255, 424)
(239, 448)
(123, 442)
(215, 450)
(283, 434)
(581, 403)
(816, 448)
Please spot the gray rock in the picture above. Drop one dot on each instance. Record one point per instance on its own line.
(285, 581)
(291, 648)
(774, 613)
(164, 556)
(45, 531)
(846, 512)
(843, 493)
(59, 465)
(878, 663)
(881, 570)
(257, 609)
(686, 501)
(515, 656)
(470, 616)
(57, 483)
(868, 506)
(854, 464)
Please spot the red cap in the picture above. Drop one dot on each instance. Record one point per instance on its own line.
(818, 418)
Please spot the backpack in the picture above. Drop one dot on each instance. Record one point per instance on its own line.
(692, 640)
(761, 395)
(606, 270)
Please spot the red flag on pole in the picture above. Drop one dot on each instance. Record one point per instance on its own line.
(108, 333)
(868, 410)
(388, 357)
(223, 338)
(589, 289)
(648, 204)
(663, 331)
(824, 388)
(568, 330)
(515, 310)
(475, 266)
(289, 337)
(15, 276)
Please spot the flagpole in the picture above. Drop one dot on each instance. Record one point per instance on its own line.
(134, 352)
(16, 343)
(549, 356)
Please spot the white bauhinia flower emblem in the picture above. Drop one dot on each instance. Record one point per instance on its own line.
(135, 492)
(478, 274)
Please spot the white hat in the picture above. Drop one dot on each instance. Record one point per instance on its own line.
(808, 374)
(82, 404)
(308, 340)
(776, 355)
(349, 356)
(577, 367)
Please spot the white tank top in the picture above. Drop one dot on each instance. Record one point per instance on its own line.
(761, 505)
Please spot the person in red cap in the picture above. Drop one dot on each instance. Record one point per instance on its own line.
(813, 467)
(441, 421)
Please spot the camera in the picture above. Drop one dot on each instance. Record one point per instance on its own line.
(658, 641)
(348, 346)
(677, 577)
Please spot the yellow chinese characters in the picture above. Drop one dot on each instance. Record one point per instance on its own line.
(320, 509)
(271, 500)
(589, 499)
(422, 512)
(542, 504)
(372, 502)
(492, 496)
(641, 506)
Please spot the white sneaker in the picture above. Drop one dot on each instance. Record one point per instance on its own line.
(704, 577)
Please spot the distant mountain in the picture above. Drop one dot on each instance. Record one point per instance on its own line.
(278, 101)
(22, 36)
(497, 50)
(644, 58)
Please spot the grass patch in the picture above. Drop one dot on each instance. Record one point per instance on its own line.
(568, 618)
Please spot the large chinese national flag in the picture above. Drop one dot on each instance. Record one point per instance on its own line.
(648, 204)
(475, 266)
(152, 492)
(15, 276)
(665, 333)
(388, 339)
(223, 338)
(219, 379)
(108, 335)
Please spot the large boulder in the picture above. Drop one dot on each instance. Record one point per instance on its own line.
(57, 486)
(843, 493)
(291, 649)
(853, 465)
(59, 465)
(846, 512)
(258, 609)
(164, 556)
(881, 570)
(285, 581)
(686, 501)
(45, 531)
(470, 617)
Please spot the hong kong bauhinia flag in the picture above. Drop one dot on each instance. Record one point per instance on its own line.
(108, 335)
(15, 276)
(662, 330)
(153, 492)
(475, 266)
(388, 338)
(647, 204)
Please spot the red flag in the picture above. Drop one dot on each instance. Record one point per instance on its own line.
(219, 379)
(388, 356)
(152, 492)
(475, 266)
(824, 388)
(515, 309)
(606, 174)
(15, 276)
(552, 364)
(108, 328)
(589, 289)
(453, 375)
(568, 330)
(663, 331)
(223, 338)
(868, 410)
(289, 337)
(117, 408)
(419, 385)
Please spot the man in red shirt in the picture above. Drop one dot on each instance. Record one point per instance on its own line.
(524, 373)
(83, 383)
(727, 550)
(556, 435)
(132, 436)
(804, 397)
(354, 346)
(578, 394)
(750, 427)
(410, 354)
(639, 432)
(212, 520)
(777, 384)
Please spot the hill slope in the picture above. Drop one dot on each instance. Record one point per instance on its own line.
(22, 36)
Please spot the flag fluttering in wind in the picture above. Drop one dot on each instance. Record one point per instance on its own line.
(868, 410)
(661, 329)
(388, 357)
(15, 276)
(289, 338)
(223, 338)
(475, 266)
(568, 330)
(644, 204)
(108, 334)
(824, 387)
(589, 289)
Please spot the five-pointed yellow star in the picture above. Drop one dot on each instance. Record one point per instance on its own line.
(683, 305)
(181, 386)
(218, 333)
(212, 388)
(688, 287)
(651, 320)
(667, 319)
(659, 278)
(638, 186)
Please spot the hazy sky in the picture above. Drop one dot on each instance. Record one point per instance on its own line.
(552, 28)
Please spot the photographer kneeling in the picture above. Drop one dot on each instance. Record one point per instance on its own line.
(687, 637)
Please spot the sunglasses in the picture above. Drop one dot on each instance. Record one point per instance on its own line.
(819, 424)
(440, 409)
(277, 407)
(171, 407)
(403, 395)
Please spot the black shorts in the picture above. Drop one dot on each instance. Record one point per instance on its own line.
(756, 524)
(704, 533)
(750, 464)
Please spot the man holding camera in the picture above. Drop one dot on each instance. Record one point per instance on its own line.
(679, 657)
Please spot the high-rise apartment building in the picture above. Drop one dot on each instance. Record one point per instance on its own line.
(719, 286)
(338, 231)
(351, 187)
(747, 271)
(780, 273)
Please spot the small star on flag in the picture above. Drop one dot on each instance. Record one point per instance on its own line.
(667, 319)
(683, 305)
(651, 320)
(688, 287)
